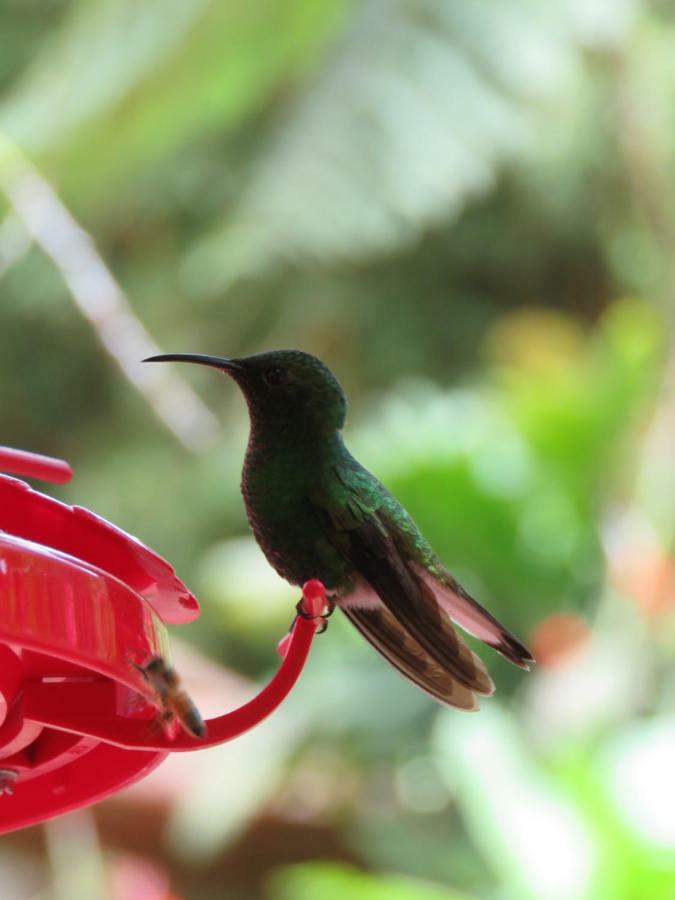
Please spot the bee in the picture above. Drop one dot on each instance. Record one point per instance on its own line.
(172, 697)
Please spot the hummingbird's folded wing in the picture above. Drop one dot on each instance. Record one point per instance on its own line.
(359, 531)
(389, 638)
(374, 555)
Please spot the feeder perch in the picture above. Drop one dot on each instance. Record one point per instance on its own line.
(82, 604)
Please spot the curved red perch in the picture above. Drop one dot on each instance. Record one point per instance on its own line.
(69, 707)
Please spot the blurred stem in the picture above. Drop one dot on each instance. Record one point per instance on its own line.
(100, 299)
(640, 128)
(78, 871)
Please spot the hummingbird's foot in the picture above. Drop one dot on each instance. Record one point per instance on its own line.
(325, 613)
(330, 606)
(321, 617)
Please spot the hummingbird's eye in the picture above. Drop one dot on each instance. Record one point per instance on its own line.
(275, 375)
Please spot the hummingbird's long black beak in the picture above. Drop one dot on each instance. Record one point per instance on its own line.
(217, 362)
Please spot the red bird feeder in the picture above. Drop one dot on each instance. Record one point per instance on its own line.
(82, 606)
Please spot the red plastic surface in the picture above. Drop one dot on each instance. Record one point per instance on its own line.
(34, 465)
(70, 707)
(84, 535)
(82, 604)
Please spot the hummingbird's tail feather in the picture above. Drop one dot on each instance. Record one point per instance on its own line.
(381, 629)
(472, 617)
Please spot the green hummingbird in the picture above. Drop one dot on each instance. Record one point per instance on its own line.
(318, 513)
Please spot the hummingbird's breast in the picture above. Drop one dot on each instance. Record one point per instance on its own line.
(276, 486)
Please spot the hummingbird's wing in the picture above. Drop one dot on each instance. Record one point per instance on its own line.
(389, 638)
(372, 551)
(415, 635)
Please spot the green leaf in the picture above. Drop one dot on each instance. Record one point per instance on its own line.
(410, 119)
(528, 830)
(103, 49)
(334, 882)
(125, 83)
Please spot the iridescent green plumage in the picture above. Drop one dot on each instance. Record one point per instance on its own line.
(317, 513)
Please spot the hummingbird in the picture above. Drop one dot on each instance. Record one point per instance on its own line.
(316, 512)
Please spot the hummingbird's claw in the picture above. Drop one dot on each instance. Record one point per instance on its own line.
(326, 613)
(321, 618)
(302, 612)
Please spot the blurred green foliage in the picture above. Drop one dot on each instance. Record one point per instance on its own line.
(332, 882)
(466, 210)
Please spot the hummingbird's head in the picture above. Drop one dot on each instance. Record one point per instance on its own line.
(281, 387)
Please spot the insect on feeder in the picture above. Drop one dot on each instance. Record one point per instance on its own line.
(83, 608)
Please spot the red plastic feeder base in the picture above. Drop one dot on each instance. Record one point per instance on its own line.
(82, 604)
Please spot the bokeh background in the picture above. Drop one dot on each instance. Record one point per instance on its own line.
(466, 209)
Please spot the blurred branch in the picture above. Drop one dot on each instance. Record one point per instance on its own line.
(640, 130)
(641, 133)
(100, 299)
(643, 138)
